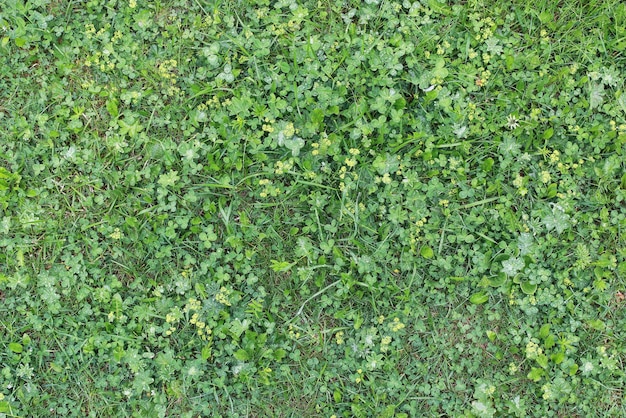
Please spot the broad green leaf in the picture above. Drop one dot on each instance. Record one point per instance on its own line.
(427, 252)
(112, 107)
(558, 358)
(241, 355)
(206, 352)
(528, 287)
(596, 324)
(498, 280)
(479, 298)
(16, 347)
(542, 360)
(280, 266)
(535, 374)
(547, 134)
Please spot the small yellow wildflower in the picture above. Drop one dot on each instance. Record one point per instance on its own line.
(547, 392)
(222, 296)
(544, 176)
(339, 338)
(386, 178)
(533, 350)
(283, 167)
(342, 172)
(192, 305)
(384, 343)
(554, 157)
(289, 130)
(396, 325)
(117, 234)
(293, 334)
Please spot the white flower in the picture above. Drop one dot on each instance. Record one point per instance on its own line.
(512, 122)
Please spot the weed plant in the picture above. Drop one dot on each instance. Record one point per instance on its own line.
(312, 208)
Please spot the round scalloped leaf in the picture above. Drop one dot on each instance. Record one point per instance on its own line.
(498, 280)
(528, 287)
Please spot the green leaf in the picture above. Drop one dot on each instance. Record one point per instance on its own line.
(596, 324)
(558, 358)
(206, 352)
(535, 374)
(427, 252)
(542, 360)
(281, 266)
(241, 355)
(551, 190)
(498, 280)
(545, 17)
(487, 164)
(317, 116)
(112, 107)
(479, 298)
(528, 287)
(547, 134)
(550, 341)
(337, 396)
(388, 412)
(16, 347)
(279, 354)
(5, 407)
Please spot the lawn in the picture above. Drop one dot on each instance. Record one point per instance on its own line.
(312, 208)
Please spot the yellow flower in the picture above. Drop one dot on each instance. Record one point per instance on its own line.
(396, 325)
(289, 130)
(222, 296)
(554, 157)
(533, 350)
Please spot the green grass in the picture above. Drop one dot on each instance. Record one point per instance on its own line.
(349, 209)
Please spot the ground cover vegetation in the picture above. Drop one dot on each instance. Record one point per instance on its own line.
(312, 208)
